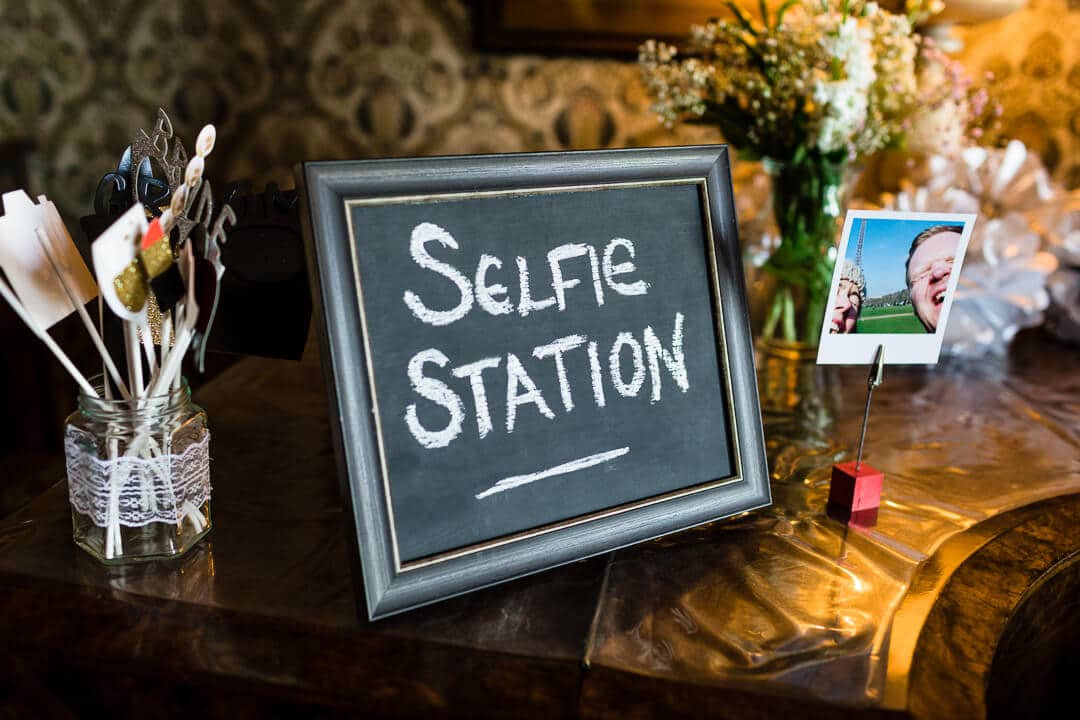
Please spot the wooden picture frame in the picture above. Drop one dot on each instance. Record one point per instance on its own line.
(347, 208)
(594, 27)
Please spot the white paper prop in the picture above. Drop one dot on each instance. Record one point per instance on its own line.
(1063, 319)
(28, 234)
(27, 267)
(1003, 293)
(113, 253)
(1002, 288)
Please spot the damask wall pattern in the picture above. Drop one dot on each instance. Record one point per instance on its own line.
(1034, 56)
(329, 79)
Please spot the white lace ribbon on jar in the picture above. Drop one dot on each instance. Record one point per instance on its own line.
(163, 488)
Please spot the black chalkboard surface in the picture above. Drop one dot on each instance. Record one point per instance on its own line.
(535, 358)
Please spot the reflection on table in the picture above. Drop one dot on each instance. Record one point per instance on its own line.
(783, 609)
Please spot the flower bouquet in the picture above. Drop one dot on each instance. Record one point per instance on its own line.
(807, 88)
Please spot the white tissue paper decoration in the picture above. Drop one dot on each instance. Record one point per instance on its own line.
(1003, 286)
(1063, 316)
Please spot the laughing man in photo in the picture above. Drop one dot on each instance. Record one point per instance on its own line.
(929, 266)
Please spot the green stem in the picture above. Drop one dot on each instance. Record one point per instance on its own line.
(769, 330)
(815, 314)
(789, 316)
(805, 203)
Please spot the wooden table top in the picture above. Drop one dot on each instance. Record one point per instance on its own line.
(778, 611)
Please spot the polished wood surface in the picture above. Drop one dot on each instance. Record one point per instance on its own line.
(951, 672)
(264, 620)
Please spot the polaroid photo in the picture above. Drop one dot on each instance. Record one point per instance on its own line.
(895, 279)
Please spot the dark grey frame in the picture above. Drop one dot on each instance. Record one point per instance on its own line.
(326, 186)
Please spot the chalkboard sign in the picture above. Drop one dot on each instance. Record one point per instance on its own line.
(532, 358)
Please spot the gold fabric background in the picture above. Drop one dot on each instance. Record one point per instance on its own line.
(328, 79)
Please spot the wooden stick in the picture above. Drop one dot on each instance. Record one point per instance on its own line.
(170, 372)
(9, 295)
(131, 348)
(166, 342)
(148, 345)
(63, 272)
(101, 331)
(170, 375)
(176, 377)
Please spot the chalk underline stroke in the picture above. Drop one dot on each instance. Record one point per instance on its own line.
(568, 467)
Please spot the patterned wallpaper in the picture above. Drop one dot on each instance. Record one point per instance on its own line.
(327, 79)
(1034, 55)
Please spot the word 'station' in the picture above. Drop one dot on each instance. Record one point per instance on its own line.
(621, 362)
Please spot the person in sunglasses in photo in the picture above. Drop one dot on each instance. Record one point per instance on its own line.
(848, 300)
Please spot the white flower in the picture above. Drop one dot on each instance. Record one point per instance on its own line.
(852, 45)
(845, 113)
(845, 100)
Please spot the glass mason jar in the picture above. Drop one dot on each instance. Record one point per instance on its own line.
(138, 475)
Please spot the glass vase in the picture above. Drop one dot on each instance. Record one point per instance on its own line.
(138, 475)
(807, 201)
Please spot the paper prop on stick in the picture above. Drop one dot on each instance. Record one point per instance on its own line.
(111, 196)
(146, 189)
(265, 304)
(27, 267)
(112, 191)
(165, 279)
(92, 226)
(208, 272)
(67, 267)
(187, 315)
(122, 282)
(198, 195)
(197, 229)
(154, 251)
(35, 250)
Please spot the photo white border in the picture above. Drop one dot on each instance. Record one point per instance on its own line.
(900, 348)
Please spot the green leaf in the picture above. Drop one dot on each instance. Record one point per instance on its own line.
(789, 316)
(781, 10)
(753, 50)
(747, 154)
(774, 316)
(744, 20)
(730, 118)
